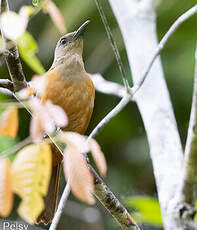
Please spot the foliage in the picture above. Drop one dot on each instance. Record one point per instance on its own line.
(28, 48)
(147, 209)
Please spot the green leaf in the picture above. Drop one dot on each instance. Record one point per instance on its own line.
(147, 210)
(29, 9)
(196, 208)
(1, 43)
(6, 143)
(35, 2)
(27, 47)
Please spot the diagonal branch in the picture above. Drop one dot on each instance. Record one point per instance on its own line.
(112, 204)
(12, 58)
(123, 102)
(163, 41)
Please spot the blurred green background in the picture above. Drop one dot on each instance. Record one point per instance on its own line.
(123, 140)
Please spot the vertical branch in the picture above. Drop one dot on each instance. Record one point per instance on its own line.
(137, 23)
(190, 169)
(12, 57)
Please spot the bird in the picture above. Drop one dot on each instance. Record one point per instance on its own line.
(67, 85)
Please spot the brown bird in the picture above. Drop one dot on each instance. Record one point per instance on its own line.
(69, 86)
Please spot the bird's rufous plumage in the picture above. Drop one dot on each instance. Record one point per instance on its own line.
(68, 85)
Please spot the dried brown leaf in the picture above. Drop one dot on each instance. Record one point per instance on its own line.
(77, 141)
(98, 156)
(41, 121)
(57, 114)
(36, 130)
(9, 122)
(55, 14)
(6, 195)
(76, 170)
(46, 117)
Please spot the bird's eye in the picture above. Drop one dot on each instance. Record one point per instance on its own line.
(63, 41)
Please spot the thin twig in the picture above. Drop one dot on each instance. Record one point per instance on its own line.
(113, 44)
(123, 102)
(12, 58)
(15, 148)
(12, 103)
(162, 43)
(60, 208)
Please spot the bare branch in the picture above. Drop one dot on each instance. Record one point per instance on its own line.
(7, 84)
(61, 206)
(190, 168)
(137, 21)
(5, 91)
(124, 101)
(12, 58)
(112, 204)
(113, 44)
(104, 86)
(162, 43)
(107, 87)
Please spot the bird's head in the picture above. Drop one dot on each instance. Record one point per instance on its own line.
(71, 43)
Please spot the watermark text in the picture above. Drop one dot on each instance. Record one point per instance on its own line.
(14, 226)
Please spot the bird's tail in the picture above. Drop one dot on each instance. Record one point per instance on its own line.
(50, 201)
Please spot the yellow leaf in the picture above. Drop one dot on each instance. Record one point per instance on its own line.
(76, 167)
(29, 208)
(6, 195)
(77, 172)
(9, 122)
(31, 172)
(98, 156)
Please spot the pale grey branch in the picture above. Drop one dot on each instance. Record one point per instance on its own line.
(123, 102)
(107, 87)
(60, 207)
(162, 43)
(137, 24)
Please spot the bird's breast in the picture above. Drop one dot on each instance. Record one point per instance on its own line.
(75, 94)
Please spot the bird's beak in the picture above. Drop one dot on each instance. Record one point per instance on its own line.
(81, 29)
